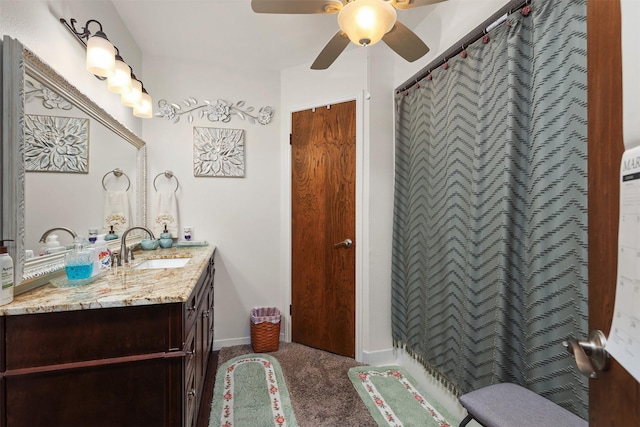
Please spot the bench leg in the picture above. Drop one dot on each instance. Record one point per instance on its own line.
(465, 421)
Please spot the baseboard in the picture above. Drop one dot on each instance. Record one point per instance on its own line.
(379, 357)
(218, 344)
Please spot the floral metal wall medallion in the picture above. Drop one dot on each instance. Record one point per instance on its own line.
(56, 144)
(218, 111)
(218, 152)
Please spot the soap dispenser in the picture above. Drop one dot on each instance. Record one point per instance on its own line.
(112, 234)
(7, 277)
(166, 241)
(78, 263)
(53, 245)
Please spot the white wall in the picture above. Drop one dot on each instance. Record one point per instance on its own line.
(238, 215)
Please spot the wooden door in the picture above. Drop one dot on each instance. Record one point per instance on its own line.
(323, 183)
(614, 397)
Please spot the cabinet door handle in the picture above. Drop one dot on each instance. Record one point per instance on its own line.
(192, 308)
(205, 313)
(191, 393)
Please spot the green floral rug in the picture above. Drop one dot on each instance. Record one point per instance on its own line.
(393, 398)
(250, 392)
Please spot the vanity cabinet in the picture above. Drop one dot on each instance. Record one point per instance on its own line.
(137, 366)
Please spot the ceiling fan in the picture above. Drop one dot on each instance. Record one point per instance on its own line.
(363, 22)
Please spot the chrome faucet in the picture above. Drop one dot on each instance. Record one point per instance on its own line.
(43, 239)
(124, 252)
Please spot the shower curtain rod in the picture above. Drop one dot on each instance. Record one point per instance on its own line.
(458, 47)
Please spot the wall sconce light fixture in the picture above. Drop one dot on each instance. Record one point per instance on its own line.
(104, 61)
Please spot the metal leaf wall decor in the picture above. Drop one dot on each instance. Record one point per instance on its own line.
(218, 111)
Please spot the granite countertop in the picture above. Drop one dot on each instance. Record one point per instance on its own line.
(121, 286)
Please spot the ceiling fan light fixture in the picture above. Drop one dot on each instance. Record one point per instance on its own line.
(367, 21)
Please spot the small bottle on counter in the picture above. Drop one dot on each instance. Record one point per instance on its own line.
(7, 277)
(111, 235)
(53, 245)
(104, 254)
(93, 234)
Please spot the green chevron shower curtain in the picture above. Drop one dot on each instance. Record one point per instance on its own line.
(489, 270)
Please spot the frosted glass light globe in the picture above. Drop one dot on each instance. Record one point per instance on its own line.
(367, 21)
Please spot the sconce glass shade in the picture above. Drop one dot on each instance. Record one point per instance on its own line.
(132, 98)
(144, 108)
(101, 55)
(120, 80)
(367, 21)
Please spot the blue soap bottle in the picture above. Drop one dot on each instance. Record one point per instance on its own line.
(78, 264)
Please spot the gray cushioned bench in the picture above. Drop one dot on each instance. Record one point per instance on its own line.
(510, 405)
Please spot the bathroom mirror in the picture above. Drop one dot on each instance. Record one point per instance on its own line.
(94, 153)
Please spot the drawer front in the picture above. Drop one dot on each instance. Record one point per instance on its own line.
(74, 336)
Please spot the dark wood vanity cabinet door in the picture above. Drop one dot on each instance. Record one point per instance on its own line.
(136, 394)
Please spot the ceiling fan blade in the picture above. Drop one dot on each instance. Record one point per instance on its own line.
(296, 6)
(408, 4)
(331, 51)
(405, 42)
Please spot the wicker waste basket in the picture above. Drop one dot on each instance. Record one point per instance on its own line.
(265, 329)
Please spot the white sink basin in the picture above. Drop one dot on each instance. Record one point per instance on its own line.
(162, 263)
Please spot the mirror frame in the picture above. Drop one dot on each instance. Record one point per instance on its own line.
(18, 61)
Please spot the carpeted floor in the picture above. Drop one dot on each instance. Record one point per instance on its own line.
(319, 386)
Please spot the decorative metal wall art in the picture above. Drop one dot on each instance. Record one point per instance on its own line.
(218, 152)
(218, 111)
(56, 144)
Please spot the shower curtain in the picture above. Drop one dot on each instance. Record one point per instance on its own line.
(489, 270)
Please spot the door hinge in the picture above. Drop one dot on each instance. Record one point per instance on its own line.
(290, 310)
(290, 138)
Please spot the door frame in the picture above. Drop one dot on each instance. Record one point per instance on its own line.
(362, 214)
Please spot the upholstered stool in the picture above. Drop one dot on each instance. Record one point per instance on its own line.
(510, 405)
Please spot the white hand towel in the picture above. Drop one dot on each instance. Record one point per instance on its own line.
(116, 210)
(165, 212)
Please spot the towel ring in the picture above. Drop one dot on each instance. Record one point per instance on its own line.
(167, 174)
(118, 173)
